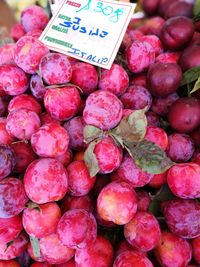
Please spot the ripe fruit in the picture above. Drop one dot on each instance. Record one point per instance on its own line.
(184, 114)
(77, 229)
(117, 202)
(7, 161)
(45, 180)
(157, 135)
(103, 110)
(132, 258)
(14, 224)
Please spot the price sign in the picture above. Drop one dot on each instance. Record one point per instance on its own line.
(89, 30)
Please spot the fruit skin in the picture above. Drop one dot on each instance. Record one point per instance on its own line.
(168, 57)
(117, 202)
(45, 180)
(10, 228)
(7, 161)
(54, 251)
(179, 8)
(150, 7)
(183, 180)
(173, 251)
(115, 80)
(139, 56)
(100, 251)
(196, 249)
(24, 155)
(55, 69)
(136, 97)
(103, 109)
(108, 154)
(77, 229)
(62, 103)
(18, 246)
(80, 182)
(190, 58)
(13, 197)
(7, 54)
(130, 173)
(144, 200)
(24, 101)
(158, 180)
(176, 32)
(22, 123)
(158, 79)
(183, 217)
(75, 128)
(132, 258)
(9, 263)
(37, 87)
(85, 76)
(5, 137)
(41, 221)
(50, 140)
(28, 53)
(34, 17)
(157, 135)
(184, 114)
(17, 31)
(180, 147)
(13, 80)
(143, 231)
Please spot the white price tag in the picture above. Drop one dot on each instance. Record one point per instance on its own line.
(89, 30)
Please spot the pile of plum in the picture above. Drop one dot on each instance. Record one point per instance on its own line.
(101, 168)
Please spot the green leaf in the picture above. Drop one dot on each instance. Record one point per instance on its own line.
(196, 86)
(32, 205)
(131, 129)
(196, 7)
(90, 159)
(164, 194)
(35, 246)
(150, 157)
(91, 133)
(191, 75)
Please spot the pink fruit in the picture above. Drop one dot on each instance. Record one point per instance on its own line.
(9, 263)
(5, 137)
(7, 54)
(139, 79)
(37, 87)
(17, 31)
(50, 140)
(7, 161)
(123, 247)
(190, 57)
(80, 182)
(85, 76)
(10, 228)
(65, 158)
(158, 180)
(28, 53)
(150, 7)
(196, 249)
(55, 68)
(158, 80)
(183, 217)
(13, 80)
(103, 110)
(139, 56)
(136, 97)
(32, 255)
(34, 33)
(152, 119)
(155, 43)
(13, 197)
(18, 246)
(100, 252)
(24, 155)
(34, 17)
(129, 172)
(108, 154)
(75, 128)
(180, 147)
(179, 8)
(157, 135)
(45, 180)
(168, 57)
(173, 251)
(184, 114)
(77, 229)
(24, 101)
(22, 123)
(176, 32)
(117, 203)
(41, 220)
(54, 251)
(144, 200)
(115, 80)
(132, 258)
(62, 103)
(143, 231)
(46, 118)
